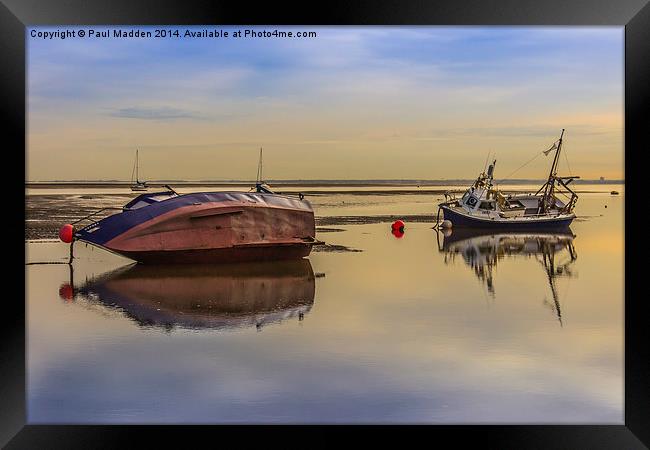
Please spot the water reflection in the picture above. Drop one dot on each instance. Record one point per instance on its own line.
(203, 296)
(482, 250)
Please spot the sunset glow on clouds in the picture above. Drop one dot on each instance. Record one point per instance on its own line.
(352, 103)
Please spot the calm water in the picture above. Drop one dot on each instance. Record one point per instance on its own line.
(425, 328)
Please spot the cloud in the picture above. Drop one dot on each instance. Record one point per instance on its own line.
(158, 114)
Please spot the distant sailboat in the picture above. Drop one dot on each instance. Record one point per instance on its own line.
(138, 185)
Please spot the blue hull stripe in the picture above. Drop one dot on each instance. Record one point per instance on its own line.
(459, 220)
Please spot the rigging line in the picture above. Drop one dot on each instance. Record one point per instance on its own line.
(567, 162)
(520, 167)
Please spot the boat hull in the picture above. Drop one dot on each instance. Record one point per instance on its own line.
(209, 228)
(219, 255)
(466, 221)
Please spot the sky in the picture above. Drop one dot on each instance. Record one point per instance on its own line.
(351, 103)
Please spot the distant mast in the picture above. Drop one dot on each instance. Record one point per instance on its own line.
(138, 185)
(259, 183)
(259, 169)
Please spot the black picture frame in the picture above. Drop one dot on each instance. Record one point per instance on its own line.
(634, 15)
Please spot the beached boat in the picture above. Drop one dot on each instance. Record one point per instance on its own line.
(203, 296)
(203, 227)
(137, 185)
(482, 206)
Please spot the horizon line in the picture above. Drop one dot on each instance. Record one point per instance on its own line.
(311, 180)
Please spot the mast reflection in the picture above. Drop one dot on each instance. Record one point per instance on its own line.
(204, 296)
(483, 250)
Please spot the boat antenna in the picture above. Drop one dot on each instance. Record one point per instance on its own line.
(486, 160)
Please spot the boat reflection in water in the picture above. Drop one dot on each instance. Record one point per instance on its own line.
(482, 251)
(204, 296)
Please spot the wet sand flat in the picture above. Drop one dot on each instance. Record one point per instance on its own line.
(47, 211)
(45, 214)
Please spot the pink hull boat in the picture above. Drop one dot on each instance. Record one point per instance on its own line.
(207, 227)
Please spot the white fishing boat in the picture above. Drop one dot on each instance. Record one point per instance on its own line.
(483, 206)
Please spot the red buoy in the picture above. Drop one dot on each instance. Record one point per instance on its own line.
(66, 233)
(66, 292)
(397, 229)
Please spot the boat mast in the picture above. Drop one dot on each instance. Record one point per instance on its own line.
(553, 172)
(137, 177)
(490, 173)
(133, 172)
(259, 184)
(550, 183)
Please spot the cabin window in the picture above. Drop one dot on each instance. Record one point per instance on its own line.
(487, 205)
(471, 201)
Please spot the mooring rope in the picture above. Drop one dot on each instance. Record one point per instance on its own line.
(437, 224)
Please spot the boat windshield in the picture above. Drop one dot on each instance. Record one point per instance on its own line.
(148, 199)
